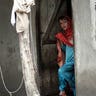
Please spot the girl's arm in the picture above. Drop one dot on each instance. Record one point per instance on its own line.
(60, 56)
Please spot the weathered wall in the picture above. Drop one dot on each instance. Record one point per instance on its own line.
(49, 72)
(9, 52)
(9, 48)
(85, 54)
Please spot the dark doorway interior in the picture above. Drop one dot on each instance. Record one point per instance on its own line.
(49, 12)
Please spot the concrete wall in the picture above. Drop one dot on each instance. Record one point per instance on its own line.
(9, 49)
(84, 51)
(9, 52)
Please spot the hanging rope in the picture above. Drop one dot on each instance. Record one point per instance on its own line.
(10, 92)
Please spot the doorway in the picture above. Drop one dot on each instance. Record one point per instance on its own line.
(50, 10)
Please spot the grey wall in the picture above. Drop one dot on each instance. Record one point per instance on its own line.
(9, 52)
(9, 47)
(85, 54)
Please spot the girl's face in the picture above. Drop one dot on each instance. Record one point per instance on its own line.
(64, 24)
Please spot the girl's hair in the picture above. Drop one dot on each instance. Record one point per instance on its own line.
(64, 18)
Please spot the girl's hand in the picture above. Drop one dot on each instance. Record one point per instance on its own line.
(58, 46)
(60, 56)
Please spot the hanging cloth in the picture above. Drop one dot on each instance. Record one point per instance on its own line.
(23, 6)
